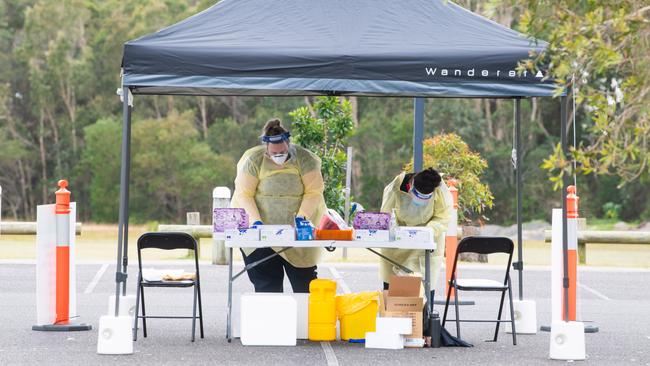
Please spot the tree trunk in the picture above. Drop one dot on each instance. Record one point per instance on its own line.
(23, 186)
(57, 146)
(203, 110)
(488, 118)
(41, 144)
(156, 107)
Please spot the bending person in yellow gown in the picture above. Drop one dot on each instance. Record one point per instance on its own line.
(419, 199)
(275, 182)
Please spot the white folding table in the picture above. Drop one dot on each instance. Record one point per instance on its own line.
(370, 245)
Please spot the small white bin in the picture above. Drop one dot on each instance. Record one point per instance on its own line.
(243, 234)
(414, 234)
(277, 233)
(371, 235)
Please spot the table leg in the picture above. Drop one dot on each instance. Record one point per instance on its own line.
(427, 280)
(229, 319)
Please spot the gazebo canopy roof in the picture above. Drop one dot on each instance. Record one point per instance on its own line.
(429, 48)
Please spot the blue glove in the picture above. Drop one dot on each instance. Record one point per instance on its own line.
(256, 224)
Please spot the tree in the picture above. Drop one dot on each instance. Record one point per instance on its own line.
(324, 128)
(451, 157)
(600, 50)
(172, 170)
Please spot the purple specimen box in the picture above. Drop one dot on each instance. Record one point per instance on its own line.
(372, 221)
(229, 218)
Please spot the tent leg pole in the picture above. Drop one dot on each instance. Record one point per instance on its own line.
(418, 134)
(563, 140)
(120, 276)
(518, 154)
(125, 253)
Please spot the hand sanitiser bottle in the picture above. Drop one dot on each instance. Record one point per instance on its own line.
(392, 229)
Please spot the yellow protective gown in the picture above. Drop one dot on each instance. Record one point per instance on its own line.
(275, 194)
(435, 214)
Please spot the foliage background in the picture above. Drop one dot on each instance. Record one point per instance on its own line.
(60, 117)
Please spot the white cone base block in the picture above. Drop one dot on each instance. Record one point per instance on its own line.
(127, 305)
(525, 317)
(115, 336)
(567, 341)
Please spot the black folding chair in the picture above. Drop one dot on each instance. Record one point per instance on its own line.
(167, 241)
(482, 245)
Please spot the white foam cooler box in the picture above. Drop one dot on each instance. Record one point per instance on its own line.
(302, 326)
(302, 301)
(414, 234)
(389, 333)
(242, 234)
(277, 232)
(394, 325)
(384, 341)
(268, 319)
(371, 235)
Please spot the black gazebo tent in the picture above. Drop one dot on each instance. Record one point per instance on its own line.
(408, 48)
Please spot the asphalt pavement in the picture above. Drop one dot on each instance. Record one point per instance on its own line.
(616, 300)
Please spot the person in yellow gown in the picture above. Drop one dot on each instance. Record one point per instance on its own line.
(419, 199)
(275, 182)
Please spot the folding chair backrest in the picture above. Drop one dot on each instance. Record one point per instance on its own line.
(167, 241)
(486, 245)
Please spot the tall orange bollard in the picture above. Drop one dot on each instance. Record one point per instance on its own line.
(451, 238)
(572, 254)
(55, 272)
(62, 212)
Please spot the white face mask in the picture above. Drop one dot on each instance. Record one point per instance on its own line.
(280, 159)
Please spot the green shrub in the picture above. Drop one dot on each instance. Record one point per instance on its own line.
(450, 155)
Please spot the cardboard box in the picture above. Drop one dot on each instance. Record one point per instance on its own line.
(371, 235)
(405, 293)
(404, 299)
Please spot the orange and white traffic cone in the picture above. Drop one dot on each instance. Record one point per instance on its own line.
(54, 230)
(572, 253)
(62, 212)
(567, 334)
(451, 238)
(451, 244)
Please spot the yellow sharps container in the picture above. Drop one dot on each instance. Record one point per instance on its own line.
(322, 310)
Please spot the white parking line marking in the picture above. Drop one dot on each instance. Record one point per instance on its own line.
(95, 280)
(330, 356)
(593, 291)
(339, 279)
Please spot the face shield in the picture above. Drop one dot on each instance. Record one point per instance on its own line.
(277, 147)
(419, 199)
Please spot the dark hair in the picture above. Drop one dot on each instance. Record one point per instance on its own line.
(273, 127)
(427, 180)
